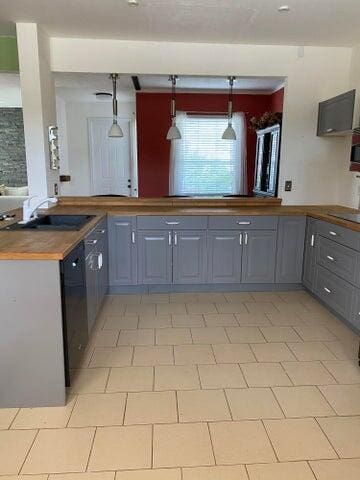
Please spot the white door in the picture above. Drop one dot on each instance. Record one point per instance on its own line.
(110, 158)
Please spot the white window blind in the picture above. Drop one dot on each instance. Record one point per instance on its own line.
(203, 163)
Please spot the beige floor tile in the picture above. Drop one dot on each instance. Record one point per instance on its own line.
(156, 321)
(296, 296)
(341, 350)
(281, 471)
(188, 321)
(240, 442)
(220, 320)
(232, 307)
(179, 377)
(25, 477)
(300, 402)
(252, 319)
(182, 445)
(183, 297)
(285, 319)
(221, 376)
(237, 297)
(173, 336)
(253, 404)
(342, 432)
(298, 439)
(117, 322)
(104, 338)
(89, 380)
(345, 399)
(280, 334)
(310, 351)
(125, 299)
(98, 409)
(145, 336)
(113, 309)
(209, 335)
(317, 333)
(245, 335)
(261, 307)
(202, 406)
(341, 331)
(140, 309)
(201, 308)
(290, 307)
(150, 407)
(153, 355)
(154, 474)
(233, 353)
(308, 373)
(272, 352)
(336, 469)
(171, 309)
(344, 372)
(130, 379)
(155, 298)
(266, 297)
(210, 297)
(111, 356)
(121, 448)
(48, 417)
(14, 446)
(265, 375)
(193, 354)
(7, 415)
(80, 476)
(60, 450)
(232, 472)
(316, 318)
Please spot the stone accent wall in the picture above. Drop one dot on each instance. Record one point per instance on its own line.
(12, 148)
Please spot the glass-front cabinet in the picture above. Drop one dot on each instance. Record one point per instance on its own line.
(267, 161)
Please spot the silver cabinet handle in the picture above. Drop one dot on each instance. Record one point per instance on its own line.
(91, 242)
(132, 237)
(100, 261)
(329, 257)
(243, 223)
(172, 223)
(101, 231)
(327, 290)
(170, 241)
(246, 239)
(240, 238)
(312, 241)
(334, 234)
(329, 130)
(175, 239)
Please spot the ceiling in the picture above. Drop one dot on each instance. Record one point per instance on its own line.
(309, 22)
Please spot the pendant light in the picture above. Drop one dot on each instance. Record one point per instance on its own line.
(115, 130)
(174, 132)
(229, 133)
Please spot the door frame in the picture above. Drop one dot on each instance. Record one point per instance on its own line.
(134, 192)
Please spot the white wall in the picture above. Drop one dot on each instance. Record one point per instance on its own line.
(318, 167)
(75, 144)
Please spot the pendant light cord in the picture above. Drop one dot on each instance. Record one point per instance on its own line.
(114, 77)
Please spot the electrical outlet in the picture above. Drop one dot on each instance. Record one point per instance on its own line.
(288, 185)
(56, 189)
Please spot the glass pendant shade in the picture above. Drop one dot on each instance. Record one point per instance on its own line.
(115, 131)
(173, 132)
(229, 133)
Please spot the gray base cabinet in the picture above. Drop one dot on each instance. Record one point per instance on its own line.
(154, 257)
(224, 256)
(258, 258)
(310, 254)
(122, 251)
(290, 251)
(189, 257)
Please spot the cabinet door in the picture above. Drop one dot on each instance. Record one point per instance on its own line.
(310, 254)
(258, 259)
(103, 273)
(189, 257)
(122, 251)
(92, 287)
(355, 311)
(290, 250)
(154, 256)
(224, 256)
(336, 114)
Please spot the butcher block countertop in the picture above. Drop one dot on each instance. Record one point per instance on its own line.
(55, 245)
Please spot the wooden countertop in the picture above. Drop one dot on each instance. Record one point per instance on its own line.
(40, 245)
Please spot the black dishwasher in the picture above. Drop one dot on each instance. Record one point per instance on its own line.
(74, 311)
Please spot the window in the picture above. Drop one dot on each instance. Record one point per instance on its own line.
(204, 164)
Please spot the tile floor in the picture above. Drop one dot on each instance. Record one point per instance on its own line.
(208, 386)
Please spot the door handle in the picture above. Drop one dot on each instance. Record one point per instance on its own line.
(90, 242)
(169, 237)
(172, 223)
(240, 238)
(132, 237)
(243, 223)
(312, 241)
(246, 239)
(101, 231)
(329, 257)
(175, 239)
(327, 290)
(100, 261)
(75, 263)
(329, 130)
(334, 234)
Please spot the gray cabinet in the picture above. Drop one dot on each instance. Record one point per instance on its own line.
(290, 250)
(189, 256)
(355, 311)
(224, 256)
(122, 251)
(258, 257)
(310, 254)
(154, 257)
(336, 115)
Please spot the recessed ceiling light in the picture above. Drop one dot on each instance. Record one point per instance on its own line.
(133, 3)
(284, 8)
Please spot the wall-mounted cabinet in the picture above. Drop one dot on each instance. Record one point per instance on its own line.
(336, 115)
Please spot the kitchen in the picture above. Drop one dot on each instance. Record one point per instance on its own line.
(206, 326)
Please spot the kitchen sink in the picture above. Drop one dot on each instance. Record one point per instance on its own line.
(53, 222)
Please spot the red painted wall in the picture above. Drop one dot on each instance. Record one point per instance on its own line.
(153, 121)
(277, 101)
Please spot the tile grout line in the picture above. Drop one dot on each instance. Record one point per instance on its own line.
(28, 452)
(228, 404)
(72, 410)
(13, 420)
(91, 449)
(211, 443)
(326, 436)
(271, 443)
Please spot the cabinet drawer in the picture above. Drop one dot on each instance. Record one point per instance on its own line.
(334, 291)
(243, 223)
(172, 222)
(339, 259)
(97, 233)
(341, 235)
